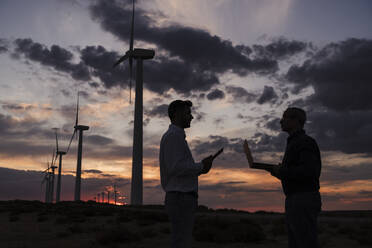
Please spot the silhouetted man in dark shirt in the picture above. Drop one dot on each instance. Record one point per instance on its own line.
(299, 174)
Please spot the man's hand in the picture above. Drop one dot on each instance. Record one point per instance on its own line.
(276, 171)
(207, 164)
(248, 153)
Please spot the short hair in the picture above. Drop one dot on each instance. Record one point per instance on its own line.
(296, 113)
(176, 106)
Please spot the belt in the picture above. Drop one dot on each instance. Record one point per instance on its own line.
(193, 193)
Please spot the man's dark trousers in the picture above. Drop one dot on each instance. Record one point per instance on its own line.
(181, 208)
(301, 211)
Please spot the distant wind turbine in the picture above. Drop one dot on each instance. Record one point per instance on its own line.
(59, 154)
(46, 180)
(136, 195)
(115, 194)
(79, 128)
(52, 167)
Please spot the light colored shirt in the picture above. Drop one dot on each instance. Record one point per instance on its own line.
(178, 170)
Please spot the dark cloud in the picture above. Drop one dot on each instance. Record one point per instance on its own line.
(101, 63)
(93, 171)
(56, 57)
(16, 107)
(3, 49)
(94, 84)
(332, 174)
(4, 46)
(340, 74)
(98, 140)
(240, 94)
(193, 46)
(268, 96)
(160, 111)
(280, 49)
(216, 94)
(180, 76)
(164, 74)
(348, 132)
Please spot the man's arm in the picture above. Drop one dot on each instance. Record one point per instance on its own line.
(308, 164)
(178, 158)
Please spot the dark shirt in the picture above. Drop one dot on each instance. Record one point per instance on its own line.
(301, 164)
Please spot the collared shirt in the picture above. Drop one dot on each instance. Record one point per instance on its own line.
(301, 164)
(178, 170)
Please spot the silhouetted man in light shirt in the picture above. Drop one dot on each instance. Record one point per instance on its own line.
(179, 174)
(299, 174)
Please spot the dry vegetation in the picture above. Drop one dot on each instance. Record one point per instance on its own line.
(27, 224)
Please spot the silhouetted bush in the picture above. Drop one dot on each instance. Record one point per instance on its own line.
(13, 218)
(63, 234)
(278, 227)
(148, 233)
(75, 229)
(222, 230)
(62, 220)
(146, 218)
(42, 217)
(165, 229)
(117, 235)
(122, 217)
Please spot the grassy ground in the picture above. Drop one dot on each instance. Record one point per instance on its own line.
(26, 224)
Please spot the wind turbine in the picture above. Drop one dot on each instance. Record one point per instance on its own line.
(115, 194)
(59, 154)
(52, 167)
(79, 128)
(46, 179)
(139, 54)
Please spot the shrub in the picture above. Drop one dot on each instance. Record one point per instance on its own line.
(42, 218)
(13, 218)
(123, 218)
(165, 229)
(148, 233)
(75, 228)
(219, 230)
(117, 235)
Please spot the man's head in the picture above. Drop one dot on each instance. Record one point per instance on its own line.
(179, 113)
(293, 119)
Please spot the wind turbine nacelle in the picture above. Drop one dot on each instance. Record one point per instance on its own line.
(139, 53)
(81, 127)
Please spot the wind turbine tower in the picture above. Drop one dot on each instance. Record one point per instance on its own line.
(53, 167)
(59, 154)
(80, 129)
(47, 185)
(139, 54)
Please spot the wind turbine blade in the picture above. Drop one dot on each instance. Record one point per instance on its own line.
(77, 114)
(57, 142)
(131, 31)
(72, 137)
(53, 156)
(77, 111)
(130, 79)
(121, 60)
(131, 53)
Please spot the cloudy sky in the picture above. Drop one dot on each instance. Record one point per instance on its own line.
(241, 63)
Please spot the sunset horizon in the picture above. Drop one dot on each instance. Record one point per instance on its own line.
(241, 63)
